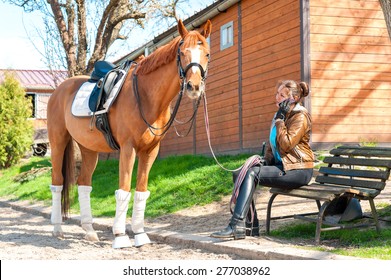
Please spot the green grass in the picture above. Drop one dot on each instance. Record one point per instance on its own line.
(175, 183)
(36, 189)
(362, 243)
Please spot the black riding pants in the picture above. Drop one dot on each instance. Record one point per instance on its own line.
(269, 176)
(275, 176)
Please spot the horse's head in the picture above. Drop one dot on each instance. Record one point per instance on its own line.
(193, 58)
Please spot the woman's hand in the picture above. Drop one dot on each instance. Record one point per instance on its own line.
(284, 108)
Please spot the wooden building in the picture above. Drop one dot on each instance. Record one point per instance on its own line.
(39, 85)
(341, 48)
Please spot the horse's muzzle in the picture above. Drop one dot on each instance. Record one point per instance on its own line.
(194, 91)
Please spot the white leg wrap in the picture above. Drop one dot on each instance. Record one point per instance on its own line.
(139, 204)
(122, 203)
(56, 217)
(85, 212)
(85, 204)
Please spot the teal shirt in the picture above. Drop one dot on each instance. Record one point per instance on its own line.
(273, 143)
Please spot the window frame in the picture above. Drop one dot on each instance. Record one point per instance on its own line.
(39, 111)
(226, 34)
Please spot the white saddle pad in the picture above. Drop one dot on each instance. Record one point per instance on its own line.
(80, 106)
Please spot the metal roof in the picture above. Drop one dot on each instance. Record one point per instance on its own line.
(36, 79)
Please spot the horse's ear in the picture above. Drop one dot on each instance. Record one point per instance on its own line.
(207, 29)
(182, 29)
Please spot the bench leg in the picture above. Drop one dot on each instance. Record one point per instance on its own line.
(374, 214)
(320, 221)
(318, 204)
(268, 213)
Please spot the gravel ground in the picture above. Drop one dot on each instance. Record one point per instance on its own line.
(25, 236)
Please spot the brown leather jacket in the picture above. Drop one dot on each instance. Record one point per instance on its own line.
(293, 136)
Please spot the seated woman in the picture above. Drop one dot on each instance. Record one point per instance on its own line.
(288, 161)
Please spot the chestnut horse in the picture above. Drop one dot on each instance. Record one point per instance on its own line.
(178, 66)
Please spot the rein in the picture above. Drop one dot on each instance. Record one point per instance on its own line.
(191, 119)
(151, 128)
(182, 75)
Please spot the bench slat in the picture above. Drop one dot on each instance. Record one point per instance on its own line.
(314, 187)
(322, 195)
(371, 152)
(326, 188)
(364, 148)
(383, 175)
(364, 192)
(350, 182)
(358, 161)
(326, 192)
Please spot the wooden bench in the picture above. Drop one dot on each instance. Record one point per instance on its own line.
(352, 171)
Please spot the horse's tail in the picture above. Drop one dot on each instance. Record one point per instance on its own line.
(68, 173)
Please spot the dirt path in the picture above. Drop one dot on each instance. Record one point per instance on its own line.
(24, 236)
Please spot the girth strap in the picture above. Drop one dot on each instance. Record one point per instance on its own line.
(102, 124)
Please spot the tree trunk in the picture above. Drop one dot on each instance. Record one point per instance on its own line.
(386, 6)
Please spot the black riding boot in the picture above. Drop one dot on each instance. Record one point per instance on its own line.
(236, 227)
(252, 222)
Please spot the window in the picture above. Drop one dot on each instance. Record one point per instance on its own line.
(227, 35)
(40, 102)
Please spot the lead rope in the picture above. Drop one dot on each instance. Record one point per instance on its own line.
(250, 162)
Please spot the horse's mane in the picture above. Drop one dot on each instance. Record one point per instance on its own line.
(167, 53)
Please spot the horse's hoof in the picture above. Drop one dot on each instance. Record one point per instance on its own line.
(57, 231)
(141, 239)
(58, 234)
(121, 241)
(91, 236)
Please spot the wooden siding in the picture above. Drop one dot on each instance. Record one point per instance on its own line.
(350, 72)
(222, 91)
(271, 52)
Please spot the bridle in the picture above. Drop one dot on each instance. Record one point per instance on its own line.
(182, 72)
(182, 75)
